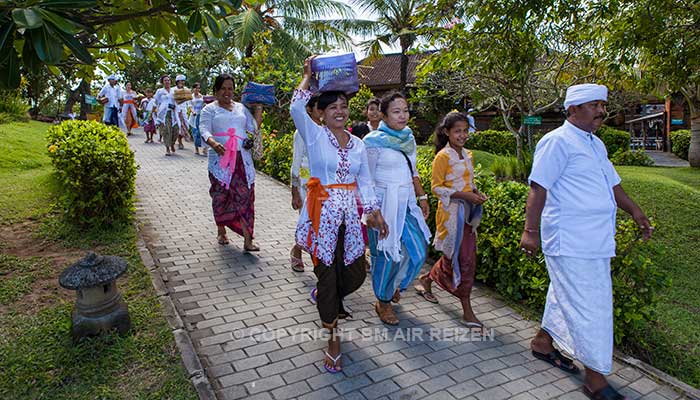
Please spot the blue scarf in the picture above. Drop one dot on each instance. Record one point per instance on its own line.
(397, 140)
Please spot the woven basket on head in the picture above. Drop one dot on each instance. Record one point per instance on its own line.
(182, 95)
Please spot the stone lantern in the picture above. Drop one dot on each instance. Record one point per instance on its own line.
(99, 306)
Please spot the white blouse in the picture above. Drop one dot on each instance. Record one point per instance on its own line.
(332, 164)
(394, 187)
(163, 98)
(215, 119)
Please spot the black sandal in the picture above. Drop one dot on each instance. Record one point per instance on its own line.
(606, 393)
(565, 364)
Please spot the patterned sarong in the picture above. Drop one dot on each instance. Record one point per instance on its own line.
(235, 205)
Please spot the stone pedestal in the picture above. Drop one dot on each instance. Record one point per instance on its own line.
(99, 307)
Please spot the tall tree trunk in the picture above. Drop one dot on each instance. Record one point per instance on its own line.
(404, 70)
(694, 149)
(78, 95)
(249, 50)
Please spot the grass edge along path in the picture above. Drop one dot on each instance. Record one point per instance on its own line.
(37, 357)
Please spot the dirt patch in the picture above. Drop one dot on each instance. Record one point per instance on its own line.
(20, 240)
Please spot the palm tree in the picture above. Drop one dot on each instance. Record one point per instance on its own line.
(395, 22)
(293, 24)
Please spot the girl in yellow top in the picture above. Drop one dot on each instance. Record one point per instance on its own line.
(457, 216)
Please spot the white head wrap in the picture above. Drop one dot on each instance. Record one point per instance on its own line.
(180, 78)
(579, 94)
(112, 77)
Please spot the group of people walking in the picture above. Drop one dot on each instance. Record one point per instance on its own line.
(166, 112)
(353, 193)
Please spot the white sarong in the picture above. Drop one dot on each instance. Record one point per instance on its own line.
(579, 309)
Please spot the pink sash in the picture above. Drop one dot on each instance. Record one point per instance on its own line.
(228, 160)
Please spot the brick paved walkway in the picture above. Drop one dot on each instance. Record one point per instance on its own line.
(228, 298)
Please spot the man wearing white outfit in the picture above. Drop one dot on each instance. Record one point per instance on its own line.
(109, 96)
(573, 199)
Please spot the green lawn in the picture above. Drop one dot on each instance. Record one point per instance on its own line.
(37, 358)
(671, 196)
(25, 172)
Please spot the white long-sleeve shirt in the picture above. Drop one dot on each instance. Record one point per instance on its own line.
(332, 164)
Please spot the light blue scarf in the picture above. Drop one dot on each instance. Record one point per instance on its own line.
(397, 140)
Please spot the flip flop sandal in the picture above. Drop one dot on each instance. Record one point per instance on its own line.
(606, 393)
(297, 264)
(252, 248)
(428, 296)
(223, 240)
(383, 317)
(565, 364)
(313, 294)
(470, 324)
(334, 369)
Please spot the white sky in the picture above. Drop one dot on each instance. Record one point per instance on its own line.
(359, 54)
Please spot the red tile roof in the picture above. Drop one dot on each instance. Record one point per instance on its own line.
(386, 70)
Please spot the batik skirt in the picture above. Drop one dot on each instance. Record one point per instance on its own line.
(442, 272)
(234, 206)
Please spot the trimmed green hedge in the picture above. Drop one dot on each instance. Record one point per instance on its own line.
(96, 169)
(614, 139)
(632, 157)
(495, 142)
(680, 143)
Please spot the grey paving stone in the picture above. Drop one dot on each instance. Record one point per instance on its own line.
(383, 373)
(379, 389)
(545, 392)
(321, 394)
(299, 374)
(438, 383)
(291, 391)
(495, 393)
(275, 368)
(464, 389)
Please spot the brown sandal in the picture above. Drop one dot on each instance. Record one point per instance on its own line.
(397, 296)
(387, 316)
(222, 239)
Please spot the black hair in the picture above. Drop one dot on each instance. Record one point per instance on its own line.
(219, 81)
(313, 100)
(163, 77)
(327, 98)
(373, 100)
(360, 129)
(388, 98)
(447, 123)
(197, 85)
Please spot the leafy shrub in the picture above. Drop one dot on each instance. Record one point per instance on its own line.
(96, 169)
(632, 157)
(358, 104)
(502, 265)
(278, 149)
(510, 168)
(680, 143)
(496, 142)
(614, 139)
(12, 107)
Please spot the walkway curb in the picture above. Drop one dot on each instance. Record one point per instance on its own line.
(658, 375)
(190, 359)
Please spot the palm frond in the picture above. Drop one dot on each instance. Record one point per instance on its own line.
(313, 9)
(292, 48)
(245, 25)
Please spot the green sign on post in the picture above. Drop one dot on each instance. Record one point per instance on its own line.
(92, 100)
(532, 120)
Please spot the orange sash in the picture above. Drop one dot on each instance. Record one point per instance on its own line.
(315, 196)
(129, 102)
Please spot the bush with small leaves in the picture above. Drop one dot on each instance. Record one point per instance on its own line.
(680, 143)
(97, 172)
